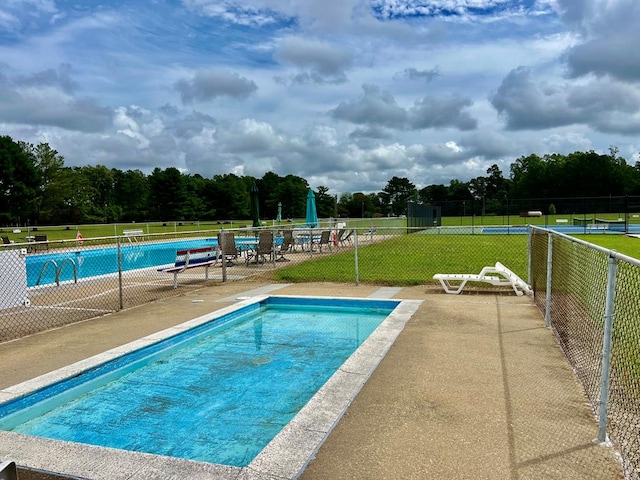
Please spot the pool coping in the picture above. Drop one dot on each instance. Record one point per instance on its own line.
(285, 456)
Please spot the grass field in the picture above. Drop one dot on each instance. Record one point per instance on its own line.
(621, 243)
(413, 259)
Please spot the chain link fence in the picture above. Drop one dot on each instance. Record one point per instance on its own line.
(589, 296)
(47, 284)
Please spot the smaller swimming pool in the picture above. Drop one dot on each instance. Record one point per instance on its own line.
(223, 389)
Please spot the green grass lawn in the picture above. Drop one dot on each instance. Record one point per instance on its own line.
(621, 243)
(413, 259)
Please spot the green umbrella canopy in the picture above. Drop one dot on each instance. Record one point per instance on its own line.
(254, 205)
(312, 216)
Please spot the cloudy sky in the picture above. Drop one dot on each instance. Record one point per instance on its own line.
(344, 93)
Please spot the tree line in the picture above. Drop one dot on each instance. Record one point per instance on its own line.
(37, 188)
(580, 181)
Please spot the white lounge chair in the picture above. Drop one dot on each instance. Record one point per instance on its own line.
(498, 275)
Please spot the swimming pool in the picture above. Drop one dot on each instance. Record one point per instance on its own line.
(286, 362)
(93, 262)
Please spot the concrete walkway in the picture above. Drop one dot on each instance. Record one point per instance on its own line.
(475, 387)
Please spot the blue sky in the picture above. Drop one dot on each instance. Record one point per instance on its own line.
(344, 93)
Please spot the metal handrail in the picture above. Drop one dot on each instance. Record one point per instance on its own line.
(44, 268)
(75, 271)
(58, 271)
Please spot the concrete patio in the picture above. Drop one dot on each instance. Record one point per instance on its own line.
(475, 387)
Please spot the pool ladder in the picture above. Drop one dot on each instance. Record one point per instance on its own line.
(59, 270)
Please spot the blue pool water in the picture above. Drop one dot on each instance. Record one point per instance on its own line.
(216, 393)
(103, 261)
(567, 229)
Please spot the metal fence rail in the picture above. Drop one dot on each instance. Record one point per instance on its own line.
(589, 296)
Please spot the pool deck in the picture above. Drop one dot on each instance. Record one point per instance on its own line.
(474, 387)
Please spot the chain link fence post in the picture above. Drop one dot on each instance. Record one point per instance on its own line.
(224, 256)
(606, 347)
(355, 248)
(120, 286)
(547, 313)
(529, 254)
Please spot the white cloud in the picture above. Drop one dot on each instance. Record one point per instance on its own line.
(606, 106)
(318, 61)
(342, 93)
(454, 146)
(209, 84)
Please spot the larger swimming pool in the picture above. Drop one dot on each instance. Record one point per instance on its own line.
(93, 262)
(218, 392)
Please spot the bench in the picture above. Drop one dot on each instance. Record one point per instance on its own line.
(133, 234)
(192, 258)
(39, 243)
(498, 275)
(562, 220)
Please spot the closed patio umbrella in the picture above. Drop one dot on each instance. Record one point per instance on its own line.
(279, 217)
(312, 216)
(254, 205)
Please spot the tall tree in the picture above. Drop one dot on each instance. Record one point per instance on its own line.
(74, 194)
(325, 203)
(269, 188)
(529, 177)
(195, 207)
(168, 194)
(497, 185)
(19, 182)
(396, 194)
(49, 163)
(131, 195)
(230, 195)
(101, 192)
(343, 204)
(433, 194)
(293, 192)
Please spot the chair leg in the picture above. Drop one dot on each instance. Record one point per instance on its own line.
(452, 289)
